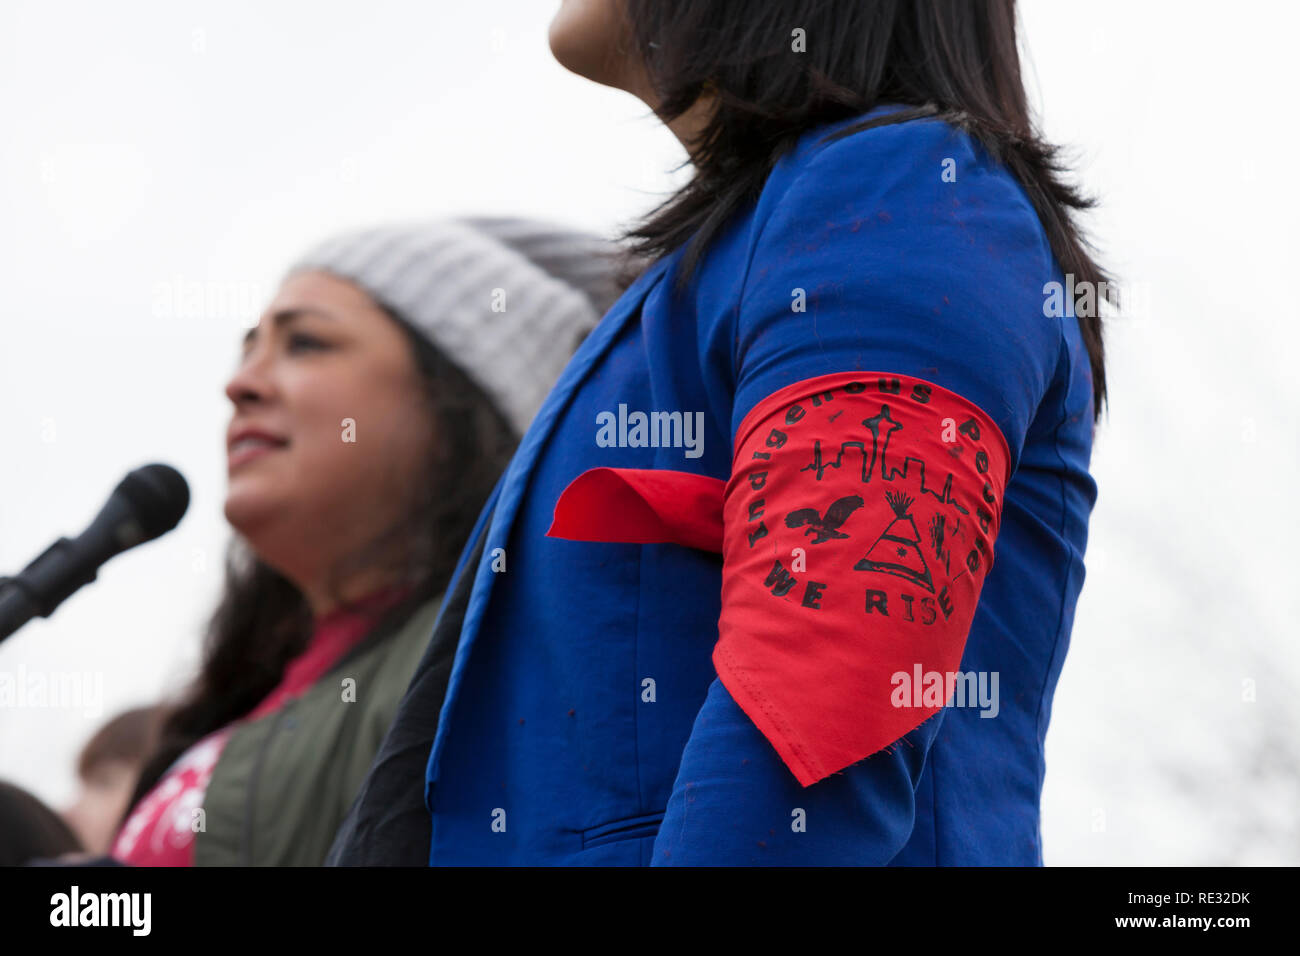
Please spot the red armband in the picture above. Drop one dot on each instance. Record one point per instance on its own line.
(859, 525)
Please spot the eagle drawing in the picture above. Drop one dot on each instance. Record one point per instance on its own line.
(826, 527)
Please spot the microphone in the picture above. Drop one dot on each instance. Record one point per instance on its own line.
(148, 502)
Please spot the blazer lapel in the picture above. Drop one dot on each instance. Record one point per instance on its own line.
(515, 480)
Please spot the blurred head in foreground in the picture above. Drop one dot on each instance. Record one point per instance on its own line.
(30, 830)
(107, 770)
(380, 395)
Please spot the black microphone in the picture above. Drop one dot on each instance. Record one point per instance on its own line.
(148, 502)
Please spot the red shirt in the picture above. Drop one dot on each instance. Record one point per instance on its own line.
(160, 830)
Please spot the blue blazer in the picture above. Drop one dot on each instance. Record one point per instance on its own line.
(584, 720)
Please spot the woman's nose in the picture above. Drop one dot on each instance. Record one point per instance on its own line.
(251, 381)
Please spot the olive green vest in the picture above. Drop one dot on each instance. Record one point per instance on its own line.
(284, 782)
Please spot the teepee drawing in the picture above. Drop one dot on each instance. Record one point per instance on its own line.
(898, 550)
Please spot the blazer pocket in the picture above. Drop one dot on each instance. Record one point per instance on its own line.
(626, 828)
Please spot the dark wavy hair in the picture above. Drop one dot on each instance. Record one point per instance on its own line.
(951, 59)
(263, 620)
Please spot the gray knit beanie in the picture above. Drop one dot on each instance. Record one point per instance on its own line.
(507, 300)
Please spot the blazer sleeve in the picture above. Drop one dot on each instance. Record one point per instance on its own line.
(891, 350)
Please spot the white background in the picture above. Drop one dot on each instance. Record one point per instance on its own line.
(149, 148)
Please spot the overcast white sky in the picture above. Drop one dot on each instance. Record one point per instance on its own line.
(151, 151)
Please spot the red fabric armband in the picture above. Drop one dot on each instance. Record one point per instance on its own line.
(859, 525)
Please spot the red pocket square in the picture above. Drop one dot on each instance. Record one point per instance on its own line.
(641, 506)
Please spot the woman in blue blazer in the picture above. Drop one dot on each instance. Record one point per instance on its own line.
(735, 600)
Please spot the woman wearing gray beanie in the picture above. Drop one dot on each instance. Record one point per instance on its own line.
(374, 406)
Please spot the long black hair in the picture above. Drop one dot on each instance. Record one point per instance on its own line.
(953, 59)
(263, 621)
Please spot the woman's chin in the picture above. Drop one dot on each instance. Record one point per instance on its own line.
(580, 36)
(248, 512)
